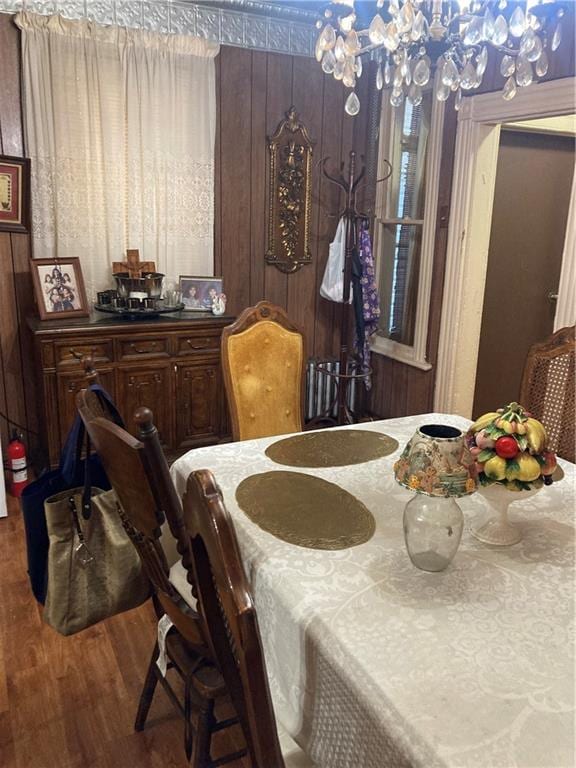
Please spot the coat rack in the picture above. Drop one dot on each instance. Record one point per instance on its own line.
(349, 183)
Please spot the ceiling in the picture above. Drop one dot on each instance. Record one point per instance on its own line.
(307, 11)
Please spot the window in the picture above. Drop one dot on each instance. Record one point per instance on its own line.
(410, 139)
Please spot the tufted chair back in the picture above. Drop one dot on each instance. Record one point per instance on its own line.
(263, 362)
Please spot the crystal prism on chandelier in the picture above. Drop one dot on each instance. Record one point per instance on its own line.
(412, 39)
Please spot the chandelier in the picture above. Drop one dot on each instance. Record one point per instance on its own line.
(410, 39)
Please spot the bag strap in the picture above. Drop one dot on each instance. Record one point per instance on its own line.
(87, 491)
(106, 400)
(81, 551)
(72, 452)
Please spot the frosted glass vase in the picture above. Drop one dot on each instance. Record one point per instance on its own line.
(432, 531)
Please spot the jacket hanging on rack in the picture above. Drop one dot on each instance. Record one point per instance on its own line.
(366, 301)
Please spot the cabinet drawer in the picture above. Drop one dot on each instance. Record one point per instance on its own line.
(143, 347)
(70, 353)
(192, 344)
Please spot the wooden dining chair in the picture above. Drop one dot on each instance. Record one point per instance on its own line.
(139, 475)
(231, 625)
(263, 365)
(547, 390)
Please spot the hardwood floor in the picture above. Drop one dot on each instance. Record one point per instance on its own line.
(70, 702)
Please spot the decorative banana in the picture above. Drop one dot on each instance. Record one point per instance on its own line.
(536, 435)
(483, 421)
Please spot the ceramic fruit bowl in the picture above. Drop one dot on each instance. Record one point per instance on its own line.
(511, 462)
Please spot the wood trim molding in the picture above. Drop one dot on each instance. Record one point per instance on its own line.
(555, 97)
(473, 185)
(429, 234)
(566, 304)
(416, 354)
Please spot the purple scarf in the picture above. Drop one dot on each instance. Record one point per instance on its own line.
(370, 300)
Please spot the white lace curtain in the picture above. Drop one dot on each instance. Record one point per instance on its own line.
(120, 127)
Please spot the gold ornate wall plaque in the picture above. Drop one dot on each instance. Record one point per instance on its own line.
(289, 195)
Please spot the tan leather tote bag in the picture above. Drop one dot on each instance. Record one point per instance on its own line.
(94, 571)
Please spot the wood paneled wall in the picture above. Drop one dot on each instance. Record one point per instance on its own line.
(255, 90)
(17, 376)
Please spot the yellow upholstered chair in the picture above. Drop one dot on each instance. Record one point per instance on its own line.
(548, 386)
(263, 363)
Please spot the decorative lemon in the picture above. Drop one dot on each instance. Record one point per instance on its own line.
(495, 468)
(529, 468)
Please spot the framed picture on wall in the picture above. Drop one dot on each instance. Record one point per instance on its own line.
(198, 293)
(59, 288)
(14, 194)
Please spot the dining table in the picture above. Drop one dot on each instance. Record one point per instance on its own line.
(374, 663)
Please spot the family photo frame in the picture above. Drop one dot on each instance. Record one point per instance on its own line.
(14, 194)
(198, 293)
(59, 288)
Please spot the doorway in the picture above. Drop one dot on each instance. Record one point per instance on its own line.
(475, 162)
(534, 175)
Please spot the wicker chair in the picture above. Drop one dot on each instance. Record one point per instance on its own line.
(547, 389)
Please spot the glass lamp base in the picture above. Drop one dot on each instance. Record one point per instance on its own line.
(432, 531)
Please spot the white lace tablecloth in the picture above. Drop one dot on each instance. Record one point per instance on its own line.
(375, 664)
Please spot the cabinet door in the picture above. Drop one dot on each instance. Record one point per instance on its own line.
(199, 393)
(150, 386)
(69, 384)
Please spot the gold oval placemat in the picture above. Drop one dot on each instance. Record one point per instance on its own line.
(331, 448)
(305, 510)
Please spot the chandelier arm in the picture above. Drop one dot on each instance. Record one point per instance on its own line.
(456, 43)
(476, 47)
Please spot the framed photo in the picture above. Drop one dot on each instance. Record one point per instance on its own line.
(59, 288)
(14, 194)
(198, 293)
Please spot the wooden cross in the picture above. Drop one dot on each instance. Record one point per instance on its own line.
(133, 265)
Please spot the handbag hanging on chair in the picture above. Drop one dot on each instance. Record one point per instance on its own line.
(94, 571)
(69, 474)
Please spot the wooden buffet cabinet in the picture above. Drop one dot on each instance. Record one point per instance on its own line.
(170, 364)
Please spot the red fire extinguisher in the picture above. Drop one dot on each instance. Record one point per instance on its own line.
(17, 465)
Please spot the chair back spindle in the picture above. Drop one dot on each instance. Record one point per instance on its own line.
(229, 616)
(133, 470)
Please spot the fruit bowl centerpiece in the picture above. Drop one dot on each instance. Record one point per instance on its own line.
(510, 455)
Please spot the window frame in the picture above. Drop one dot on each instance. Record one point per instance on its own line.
(416, 354)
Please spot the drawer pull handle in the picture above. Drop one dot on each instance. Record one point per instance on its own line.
(197, 346)
(151, 348)
(82, 355)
